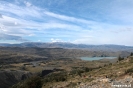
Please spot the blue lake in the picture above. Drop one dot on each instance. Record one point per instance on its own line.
(96, 58)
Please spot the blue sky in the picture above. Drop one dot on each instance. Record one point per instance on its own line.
(75, 21)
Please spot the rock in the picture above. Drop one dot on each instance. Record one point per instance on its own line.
(9, 78)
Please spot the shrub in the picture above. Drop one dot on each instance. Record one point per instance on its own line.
(129, 70)
(62, 76)
(33, 82)
(131, 54)
(120, 58)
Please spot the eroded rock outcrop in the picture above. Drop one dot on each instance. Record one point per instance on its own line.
(9, 78)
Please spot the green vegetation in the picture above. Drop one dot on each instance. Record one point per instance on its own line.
(131, 54)
(55, 77)
(66, 71)
(120, 58)
(33, 82)
(130, 70)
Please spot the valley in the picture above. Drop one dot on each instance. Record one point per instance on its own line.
(58, 67)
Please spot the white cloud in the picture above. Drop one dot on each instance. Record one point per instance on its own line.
(11, 37)
(68, 18)
(20, 11)
(39, 40)
(11, 23)
(27, 4)
(30, 20)
(31, 35)
(0, 16)
(56, 40)
(15, 23)
(120, 37)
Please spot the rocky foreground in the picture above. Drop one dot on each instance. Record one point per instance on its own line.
(117, 75)
(126, 82)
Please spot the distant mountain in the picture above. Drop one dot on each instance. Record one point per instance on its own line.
(72, 46)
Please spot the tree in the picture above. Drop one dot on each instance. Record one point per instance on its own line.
(120, 58)
(33, 82)
(131, 54)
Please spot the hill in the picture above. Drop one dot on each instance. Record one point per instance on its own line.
(106, 76)
(72, 46)
(28, 54)
(61, 65)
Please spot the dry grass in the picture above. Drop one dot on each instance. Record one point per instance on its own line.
(34, 69)
(18, 64)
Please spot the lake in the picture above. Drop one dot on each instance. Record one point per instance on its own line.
(96, 58)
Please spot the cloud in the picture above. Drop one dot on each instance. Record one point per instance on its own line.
(0, 15)
(68, 18)
(12, 27)
(118, 36)
(23, 12)
(29, 22)
(34, 18)
(11, 37)
(56, 40)
(27, 4)
(20, 21)
(122, 11)
(39, 40)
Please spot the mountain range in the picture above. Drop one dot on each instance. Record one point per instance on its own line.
(71, 46)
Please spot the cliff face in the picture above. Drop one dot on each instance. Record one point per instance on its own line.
(9, 78)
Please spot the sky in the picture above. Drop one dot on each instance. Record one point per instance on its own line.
(73, 21)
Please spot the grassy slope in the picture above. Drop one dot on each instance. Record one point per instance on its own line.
(119, 71)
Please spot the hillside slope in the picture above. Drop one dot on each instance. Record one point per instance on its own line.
(107, 76)
(72, 46)
(8, 78)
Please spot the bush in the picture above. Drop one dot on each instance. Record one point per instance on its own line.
(120, 58)
(131, 54)
(33, 82)
(62, 76)
(129, 70)
(87, 69)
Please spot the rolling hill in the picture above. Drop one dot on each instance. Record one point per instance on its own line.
(72, 46)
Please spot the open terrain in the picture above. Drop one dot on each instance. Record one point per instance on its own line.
(85, 74)
(58, 67)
